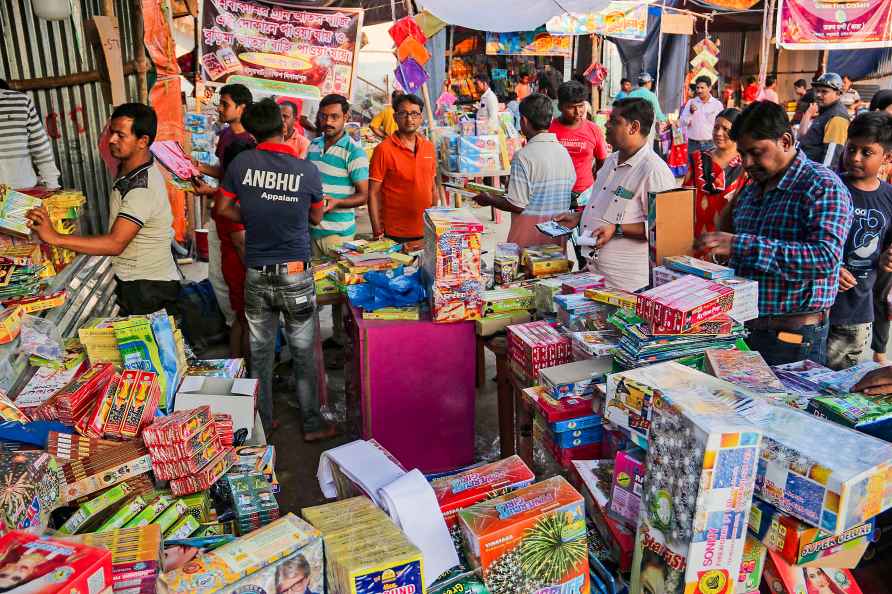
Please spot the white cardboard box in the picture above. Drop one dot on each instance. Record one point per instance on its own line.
(236, 397)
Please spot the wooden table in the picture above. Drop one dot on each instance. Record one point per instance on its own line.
(515, 419)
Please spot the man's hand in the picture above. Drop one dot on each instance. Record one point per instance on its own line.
(878, 381)
(693, 107)
(202, 188)
(568, 219)
(329, 204)
(603, 234)
(886, 260)
(40, 223)
(812, 110)
(846, 280)
(483, 199)
(717, 244)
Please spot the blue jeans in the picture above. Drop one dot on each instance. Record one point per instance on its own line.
(778, 352)
(699, 145)
(293, 296)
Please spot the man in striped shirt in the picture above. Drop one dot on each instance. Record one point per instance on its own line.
(344, 169)
(24, 144)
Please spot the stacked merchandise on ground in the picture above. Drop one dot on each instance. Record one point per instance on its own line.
(452, 264)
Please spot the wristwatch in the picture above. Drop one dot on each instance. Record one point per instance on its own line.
(619, 231)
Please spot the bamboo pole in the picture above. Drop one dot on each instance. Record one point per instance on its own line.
(142, 63)
(68, 80)
(108, 8)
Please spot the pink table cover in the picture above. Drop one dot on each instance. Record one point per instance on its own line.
(417, 390)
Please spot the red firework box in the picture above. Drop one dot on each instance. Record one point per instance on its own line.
(207, 476)
(458, 491)
(74, 400)
(721, 324)
(223, 422)
(92, 424)
(505, 538)
(537, 345)
(177, 427)
(54, 566)
(143, 403)
(681, 304)
(558, 410)
(188, 465)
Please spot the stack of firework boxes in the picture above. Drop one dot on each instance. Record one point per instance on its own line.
(710, 447)
(186, 450)
(252, 498)
(452, 264)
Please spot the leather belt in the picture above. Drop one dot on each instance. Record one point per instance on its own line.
(789, 322)
(295, 267)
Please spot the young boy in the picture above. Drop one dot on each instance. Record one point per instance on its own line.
(869, 146)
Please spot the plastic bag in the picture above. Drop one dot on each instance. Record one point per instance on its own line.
(387, 289)
(41, 338)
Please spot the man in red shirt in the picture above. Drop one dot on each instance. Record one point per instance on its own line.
(582, 139)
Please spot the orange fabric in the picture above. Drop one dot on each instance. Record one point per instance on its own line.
(158, 38)
(165, 99)
(407, 184)
(411, 48)
(299, 143)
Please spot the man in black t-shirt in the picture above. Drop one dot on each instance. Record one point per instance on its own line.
(276, 195)
(869, 145)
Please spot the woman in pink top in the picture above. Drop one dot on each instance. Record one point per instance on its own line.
(769, 92)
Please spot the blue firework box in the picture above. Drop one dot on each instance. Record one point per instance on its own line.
(571, 379)
(573, 438)
(576, 424)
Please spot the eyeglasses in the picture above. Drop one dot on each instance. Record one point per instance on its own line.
(409, 114)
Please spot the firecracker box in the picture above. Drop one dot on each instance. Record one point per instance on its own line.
(497, 301)
(33, 478)
(582, 281)
(559, 410)
(564, 456)
(616, 298)
(782, 578)
(679, 305)
(458, 491)
(567, 438)
(593, 343)
(751, 567)
(544, 291)
(869, 414)
(493, 324)
(800, 544)
(594, 483)
(530, 540)
(14, 207)
(571, 379)
(697, 267)
(627, 487)
(456, 303)
(746, 298)
(537, 345)
(719, 325)
(577, 312)
(701, 472)
(825, 474)
(49, 566)
(221, 568)
(546, 260)
(662, 275)
(746, 369)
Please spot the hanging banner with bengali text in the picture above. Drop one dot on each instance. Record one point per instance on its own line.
(273, 49)
(819, 25)
(527, 43)
(625, 20)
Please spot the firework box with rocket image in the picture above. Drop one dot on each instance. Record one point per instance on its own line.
(698, 488)
(530, 541)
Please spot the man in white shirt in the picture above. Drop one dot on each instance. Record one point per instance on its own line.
(489, 103)
(140, 218)
(24, 144)
(612, 228)
(698, 117)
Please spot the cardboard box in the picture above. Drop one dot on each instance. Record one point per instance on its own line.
(800, 544)
(500, 301)
(235, 397)
(571, 380)
(751, 567)
(680, 305)
(698, 489)
(559, 410)
(497, 533)
(627, 488)
(619, 538)
(56, 565)
(697, 267)
(783, 578)
(489, 325)
(459, 491)
(670, 224)
(869, 414)
(221, 568)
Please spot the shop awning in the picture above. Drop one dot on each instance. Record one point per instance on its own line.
(500, 16)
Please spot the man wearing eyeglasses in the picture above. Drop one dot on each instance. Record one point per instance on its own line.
(402, 176)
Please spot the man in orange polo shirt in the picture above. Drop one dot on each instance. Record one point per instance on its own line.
(401, 176)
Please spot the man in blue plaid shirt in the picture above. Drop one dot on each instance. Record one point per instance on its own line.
(790, 226)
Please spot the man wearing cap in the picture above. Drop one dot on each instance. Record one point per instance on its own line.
(824, 127)
(645, 91)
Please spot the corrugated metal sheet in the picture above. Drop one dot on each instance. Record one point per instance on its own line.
(74, 116)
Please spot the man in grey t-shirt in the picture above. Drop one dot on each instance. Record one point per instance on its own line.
(140, 233)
